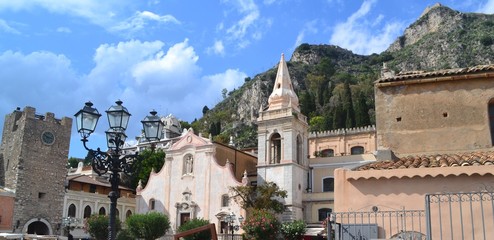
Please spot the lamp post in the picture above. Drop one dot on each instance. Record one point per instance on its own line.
(112, 161)
(230, 219)
(66, 221)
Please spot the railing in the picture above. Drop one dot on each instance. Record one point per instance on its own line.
(460, 215)
(220, 237)
(284, 112)
(401, 224)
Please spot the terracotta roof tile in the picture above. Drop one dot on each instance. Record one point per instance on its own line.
(402, 76)
(432, 161)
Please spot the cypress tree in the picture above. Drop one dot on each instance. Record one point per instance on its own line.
(339, 116)
(362, 111)
(349, 112)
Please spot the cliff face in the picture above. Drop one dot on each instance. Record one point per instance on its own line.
(444, 38)
(441, 38)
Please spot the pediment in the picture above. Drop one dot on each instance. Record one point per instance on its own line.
(190, 139)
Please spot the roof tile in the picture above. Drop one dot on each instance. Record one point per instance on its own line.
(432, 161)
(439, 73)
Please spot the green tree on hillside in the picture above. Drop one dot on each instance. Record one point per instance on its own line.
(347, 103)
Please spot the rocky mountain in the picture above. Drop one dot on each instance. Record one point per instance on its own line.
(335, 86)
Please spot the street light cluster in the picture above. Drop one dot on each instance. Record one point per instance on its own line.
(113, 161)
(230, 220)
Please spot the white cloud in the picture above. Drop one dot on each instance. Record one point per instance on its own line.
(41, 78)
(250, 27)
(363, 35)
(5, 27)
(109, 14)
(144, 75)
(217, 48)
(141, 19)
(64, 30)
(239, 29)
(309, 27)
(230, 79)
(487, 8)
(97, 12)
(270, 2)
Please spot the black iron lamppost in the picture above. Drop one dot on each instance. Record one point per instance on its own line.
(67, 221)
(113, 161)
(230, 219)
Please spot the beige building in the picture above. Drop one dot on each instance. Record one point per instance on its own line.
(87, 194)
(436, 172)
(343, 142)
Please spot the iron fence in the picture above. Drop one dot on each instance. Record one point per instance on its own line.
(460, 215)
(220, 237)
(402, 224)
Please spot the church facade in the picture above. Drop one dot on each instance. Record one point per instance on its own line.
(194, 182)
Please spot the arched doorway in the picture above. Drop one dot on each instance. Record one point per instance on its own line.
(38, 226)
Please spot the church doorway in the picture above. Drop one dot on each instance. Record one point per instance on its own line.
(184, 217)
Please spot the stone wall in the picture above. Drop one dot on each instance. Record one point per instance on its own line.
(35, 166)
(439, 114)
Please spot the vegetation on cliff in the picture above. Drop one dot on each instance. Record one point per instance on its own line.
(335, 86)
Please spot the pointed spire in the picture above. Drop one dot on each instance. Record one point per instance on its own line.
(283, 94)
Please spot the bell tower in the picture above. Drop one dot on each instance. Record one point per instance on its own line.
(282, 143)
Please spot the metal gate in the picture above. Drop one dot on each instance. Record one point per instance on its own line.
(399, 224)
(460, 215)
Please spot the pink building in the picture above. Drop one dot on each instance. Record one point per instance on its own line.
(434, 177)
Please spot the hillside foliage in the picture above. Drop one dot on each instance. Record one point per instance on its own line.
(336, 87)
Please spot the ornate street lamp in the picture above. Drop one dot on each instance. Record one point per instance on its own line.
(230, 219)
(153, 127)
(112, 161)
(67, 221)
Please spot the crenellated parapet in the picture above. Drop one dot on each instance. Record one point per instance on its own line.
(343, 131)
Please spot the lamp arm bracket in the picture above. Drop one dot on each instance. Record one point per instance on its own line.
(99, 161)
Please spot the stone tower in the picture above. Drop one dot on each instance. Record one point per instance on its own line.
(34, 154)
(282, 143)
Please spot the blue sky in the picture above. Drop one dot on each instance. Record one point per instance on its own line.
(174, 56)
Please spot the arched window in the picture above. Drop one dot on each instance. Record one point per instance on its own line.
(323, 213)
(328, 184)
(128, 214)
(225, 200)
(327, 153)
(72, 210)
(491, 119)
(102, 211)
(357, 150)
(87, 211)
(299, 149)
(152, 203)
(188, 166)
(275, 148)
(117, 213)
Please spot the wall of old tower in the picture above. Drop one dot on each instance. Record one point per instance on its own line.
(35, 152)
(427, 114)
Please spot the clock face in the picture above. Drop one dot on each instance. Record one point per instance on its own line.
(48, 137)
